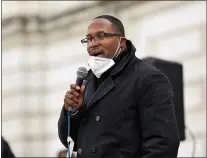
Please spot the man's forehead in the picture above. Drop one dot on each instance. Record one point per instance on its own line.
(100, 22)
(99, 25)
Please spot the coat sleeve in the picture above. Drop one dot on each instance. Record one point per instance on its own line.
(63, 128)
(159, 129)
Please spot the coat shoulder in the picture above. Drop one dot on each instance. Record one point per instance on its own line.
(145, 70)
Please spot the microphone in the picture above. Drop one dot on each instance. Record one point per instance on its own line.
(82, 72)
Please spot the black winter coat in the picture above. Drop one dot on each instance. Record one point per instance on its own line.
(130, 115)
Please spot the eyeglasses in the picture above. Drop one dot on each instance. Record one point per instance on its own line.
(97, 38)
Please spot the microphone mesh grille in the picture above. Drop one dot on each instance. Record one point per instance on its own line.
(82, 72)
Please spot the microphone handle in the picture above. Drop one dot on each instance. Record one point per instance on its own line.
(79, 82)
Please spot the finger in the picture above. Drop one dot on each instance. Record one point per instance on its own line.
(82, 90)
(75, 93)
(72, 98)
(72, 86)
(67, 102)
(69, 99)
(70, 103)
(77, 88)
(70, 91)
(66, 107)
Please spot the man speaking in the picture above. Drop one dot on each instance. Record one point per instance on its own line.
(126, 108)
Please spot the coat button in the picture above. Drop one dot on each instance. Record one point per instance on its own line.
(93, 149)
(98, 118)
(79, 151)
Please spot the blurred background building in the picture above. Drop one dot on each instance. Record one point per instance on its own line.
(41, 51)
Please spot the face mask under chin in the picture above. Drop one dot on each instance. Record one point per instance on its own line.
(99, 65)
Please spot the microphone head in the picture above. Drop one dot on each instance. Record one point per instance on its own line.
(82, 72)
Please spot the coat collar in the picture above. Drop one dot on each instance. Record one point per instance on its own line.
(129, 54)
(91, 94)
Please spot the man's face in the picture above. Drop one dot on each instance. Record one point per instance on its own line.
(106, 46)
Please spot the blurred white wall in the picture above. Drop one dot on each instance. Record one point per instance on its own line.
(39, 64)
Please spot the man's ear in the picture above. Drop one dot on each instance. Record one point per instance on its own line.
(123, 42)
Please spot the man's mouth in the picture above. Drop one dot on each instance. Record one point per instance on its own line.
(98, 54)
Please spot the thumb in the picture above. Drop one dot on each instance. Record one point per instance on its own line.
(82, 89)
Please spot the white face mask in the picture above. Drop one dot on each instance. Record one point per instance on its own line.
(100, 65)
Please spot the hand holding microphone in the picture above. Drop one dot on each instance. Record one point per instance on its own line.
(74, 97)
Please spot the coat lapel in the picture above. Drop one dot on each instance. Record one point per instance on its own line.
(92, 95)
(90, 90)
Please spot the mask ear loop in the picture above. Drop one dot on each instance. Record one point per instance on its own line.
(116, 54)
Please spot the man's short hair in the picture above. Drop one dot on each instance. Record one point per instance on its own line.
(116, 22)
